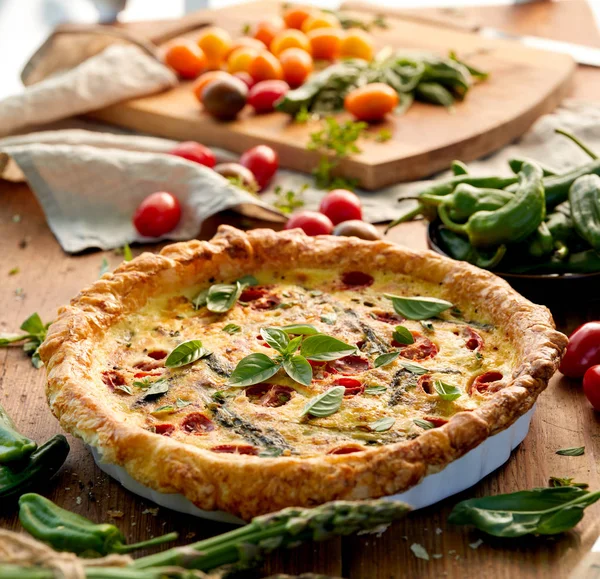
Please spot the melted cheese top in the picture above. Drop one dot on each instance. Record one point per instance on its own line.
(201, 409)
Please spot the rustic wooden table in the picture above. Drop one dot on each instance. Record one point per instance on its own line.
(47, 278)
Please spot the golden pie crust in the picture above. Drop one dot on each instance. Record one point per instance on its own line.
(250, 485)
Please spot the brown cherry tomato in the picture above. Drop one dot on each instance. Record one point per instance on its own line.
(297, 64)
(186, 59)
(224, 99)
(206, 78)
(357, 228)
(371, 102)
(237, 171)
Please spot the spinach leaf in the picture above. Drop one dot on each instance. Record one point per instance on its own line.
(403, 335)
(385, 359)
(253, 369)
(543, 511)
(186, 353)
(325, 404)
(446, 392)
(298, 369)
(418, 308)
(222, 296)
(321, 347)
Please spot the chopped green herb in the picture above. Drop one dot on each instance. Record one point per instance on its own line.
(246, 28)
(164, 409)
(424, 424)
(565, 482)
(418, 308)
(289, 200)
(330, 318)
(182, 403)
(414, 368)
(270, 452)
(237, 181)
(575, 451)
(232, 329)
(124, 388)
(14, 271)
(383, 135)
(127, 255)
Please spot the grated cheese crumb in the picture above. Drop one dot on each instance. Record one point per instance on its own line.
(476, 544)
(438, 531)
(152, 512)
(437, 555)
(419, 551)
(78, 500)
(114, 514)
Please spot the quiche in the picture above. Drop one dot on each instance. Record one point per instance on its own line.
(261, 370)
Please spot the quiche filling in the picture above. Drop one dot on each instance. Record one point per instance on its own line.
(178, 368)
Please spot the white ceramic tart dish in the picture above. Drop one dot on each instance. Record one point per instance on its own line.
(194, 426)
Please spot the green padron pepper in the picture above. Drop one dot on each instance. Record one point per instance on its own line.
(581, 262)
(513, 222)
(459, 248)
(540, 243)
(516, 164)
(13, 446)
(67, 531)
(584, 197)
(447, 186)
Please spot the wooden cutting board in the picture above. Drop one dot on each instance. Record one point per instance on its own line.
(524, 84)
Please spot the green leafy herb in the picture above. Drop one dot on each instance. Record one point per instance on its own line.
(321, 347)
(35, 334)
(446, 392)
(303, 116)
(293, 345)
(157, 388)
(385, 359)
(329, 319)
(127, 255)
(253, 369)
(424, 424)
(124, 388)
(164, 409)
(383, 135)
(403, 335)
(414, 368)
(418, 308)
(427, 326)
(144, 383)
(382, 424)
(222, 297)
(566, 482)
(182, 403)
(14, 271)
(276, 338)
(232, 328)
(238, 181)
(542, 511)
(270, 452)
(201, 299)
(248, 280)
(575, 451)
(300, 329)
(325, 404)
(375, 390)
(246, 28)
(288, 200)
(298, 369)
(186, 353)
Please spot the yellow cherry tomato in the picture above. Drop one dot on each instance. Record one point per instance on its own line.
(290, 39)
(240, 59)
(216, 44)
(266, 30)
(320, 20)
(357, 44)
(371, 102)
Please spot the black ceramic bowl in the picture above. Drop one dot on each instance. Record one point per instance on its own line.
(540, 288)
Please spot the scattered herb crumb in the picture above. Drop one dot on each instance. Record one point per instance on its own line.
(14, 271)
(419, 551)
(104, 267)
(246, 28)
(16, 218)
(289, 200)
(152, 511)
(127, 255)
(556, 481)
(383, 136)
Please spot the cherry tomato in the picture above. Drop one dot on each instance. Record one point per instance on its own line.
(216, 44)
(371, 102)
(186, 59)
(341, 205)
(240, 59)
(311, 222)
(289, 39)
(248, 42)
(320, 20)
(266, 30)
(583, 350)
(326, 42)
(263, 162)
(158, 214)
(204, 79)
(591, 386)
(263, 95)
(297, 64)
(357, 228)
(295, 16)
(265, 67)
(196, 152)
(357, 44)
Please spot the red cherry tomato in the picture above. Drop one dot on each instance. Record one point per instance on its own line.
(245, 78)
(591, 386)
(158, 214)
(196, 152)
(263, 162)
(583, 350)
(341, 205)
(311, 222)
(264, 94)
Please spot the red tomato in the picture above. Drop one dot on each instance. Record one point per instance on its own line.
(158, 214)
(591, 386)
(341, 205)
(583, 350)
(196, 152)
(264, 94)
(263, 162)
(245, 78)
(311, 222)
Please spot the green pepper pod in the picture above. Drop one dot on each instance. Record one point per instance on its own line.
(13, 446)
(459, 168)
(67, 531)
(560, 225)
(584, 197)
(447, 186)
(540, 243)
(513, 222)
(459, 248)
(41, 465)
(581, 262)
(516, 164)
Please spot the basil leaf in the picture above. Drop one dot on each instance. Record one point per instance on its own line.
(293, 345)
(321, 347)
(329, 319)
(161, 409)
(375, 390)
(545, 511)
(276, 338)
(385, 359)
(446, 392)
(300, 329)
(222, 296)
(232, 328)
(325, 404)
(33, 325)
(418, 308)
(403, 335)
(158, 388)
(125, 388)
(253, 369)
(414, 368)
(201, 299)
(382, 424)
(248, 280)
(575, 451)
(186, 353)
(424, 424)
(182, 403)
(298, 369)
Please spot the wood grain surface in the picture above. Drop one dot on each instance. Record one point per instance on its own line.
(48, 277)
(523, 84)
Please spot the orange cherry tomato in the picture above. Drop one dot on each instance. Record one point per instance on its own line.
(297, 65)
(186, 59)
(289, 39)
(320, 20)
(371, 102)
(205, 79)
(357, 44)
(239, 60)
(246, 41)
(326, 42)
(216, 44)
(266, 30)
(265, 67)
(295, 16)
